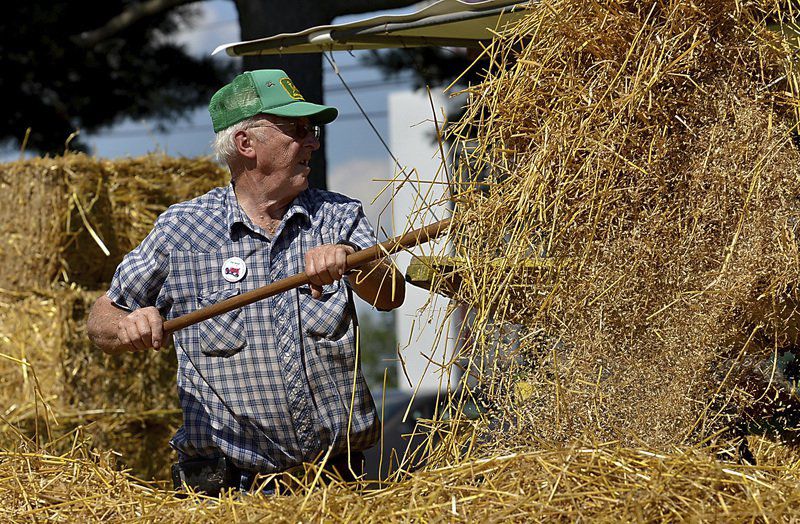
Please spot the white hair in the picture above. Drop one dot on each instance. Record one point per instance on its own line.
(224, 146)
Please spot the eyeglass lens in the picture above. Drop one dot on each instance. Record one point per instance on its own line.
(302, 130)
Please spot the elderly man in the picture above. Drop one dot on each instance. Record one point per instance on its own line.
(277, 383)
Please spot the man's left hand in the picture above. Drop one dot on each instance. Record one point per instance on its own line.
(326, 264)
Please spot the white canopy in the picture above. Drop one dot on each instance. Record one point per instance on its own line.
(456, 23)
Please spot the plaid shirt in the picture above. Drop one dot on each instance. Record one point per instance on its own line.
(275, 383)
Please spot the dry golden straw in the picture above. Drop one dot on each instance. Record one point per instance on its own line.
(628, 201)
(581, 483)
(72, 218)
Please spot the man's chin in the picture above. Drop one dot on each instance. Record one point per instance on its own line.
(304, 184)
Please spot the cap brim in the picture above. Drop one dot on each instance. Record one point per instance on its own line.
(318, 114)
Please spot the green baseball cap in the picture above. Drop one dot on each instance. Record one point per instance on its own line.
(268, 91)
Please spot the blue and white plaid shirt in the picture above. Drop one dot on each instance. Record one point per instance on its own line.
(275, 383)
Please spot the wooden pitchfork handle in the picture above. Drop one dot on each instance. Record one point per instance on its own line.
(376, 252)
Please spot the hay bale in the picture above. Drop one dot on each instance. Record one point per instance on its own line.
(56, 212)
(644, 150)
(45, 355)
(42, 224)
(53, 381)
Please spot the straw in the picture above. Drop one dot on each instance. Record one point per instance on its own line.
(626, 199)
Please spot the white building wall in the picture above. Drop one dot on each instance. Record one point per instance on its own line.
(425, 335)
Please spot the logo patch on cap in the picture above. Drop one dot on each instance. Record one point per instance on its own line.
(290, 88)
(234, 269)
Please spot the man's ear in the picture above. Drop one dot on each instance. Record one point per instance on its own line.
(244, 144)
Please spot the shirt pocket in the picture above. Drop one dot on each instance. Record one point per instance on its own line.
(223, 335)
(327, 316)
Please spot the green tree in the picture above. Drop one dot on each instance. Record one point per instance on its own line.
(55, 82)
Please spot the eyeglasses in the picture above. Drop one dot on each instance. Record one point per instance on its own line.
(296, 130)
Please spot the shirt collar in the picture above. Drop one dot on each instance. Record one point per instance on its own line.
(235, 214)
(299, 206)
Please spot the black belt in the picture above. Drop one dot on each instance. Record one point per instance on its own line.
(211, 476)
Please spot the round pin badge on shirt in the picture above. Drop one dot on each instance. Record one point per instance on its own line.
(234, 269)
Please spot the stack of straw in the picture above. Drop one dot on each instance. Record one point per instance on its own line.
(580, 483)
(68, 222)
(628, 197)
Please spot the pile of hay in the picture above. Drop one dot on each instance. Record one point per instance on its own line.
(47, 357)
(586, 482)
(629, 196)
(58, 216)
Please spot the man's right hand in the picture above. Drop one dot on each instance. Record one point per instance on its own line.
(142, 329)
